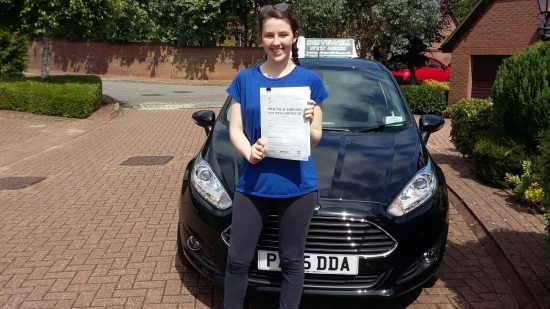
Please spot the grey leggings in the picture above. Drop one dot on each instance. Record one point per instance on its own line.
(249, 214)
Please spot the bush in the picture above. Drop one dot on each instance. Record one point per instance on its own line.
(527, 187)
(434, 83)
(491, 160)
(76, 96)
(544, 150)
(521, 95)
(470, 118)
(13, 54)
(425, 98)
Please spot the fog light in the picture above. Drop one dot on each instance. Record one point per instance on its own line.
(193, 244)
(429, 256)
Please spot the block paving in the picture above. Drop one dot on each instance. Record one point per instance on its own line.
(97, 234)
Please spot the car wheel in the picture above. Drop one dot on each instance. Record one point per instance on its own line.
(181, 255)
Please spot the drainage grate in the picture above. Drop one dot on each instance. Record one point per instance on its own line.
(15, 183)
(147, 160)
(183, 91)
(151, 94)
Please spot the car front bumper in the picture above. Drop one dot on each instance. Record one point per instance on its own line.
(379, 276)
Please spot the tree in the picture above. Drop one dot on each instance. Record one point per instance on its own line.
(363, 26)
(13, 53)
(462, 8)
(75, 18)
(398, 29)
(322, 18)
(137, 23)
(191, 22)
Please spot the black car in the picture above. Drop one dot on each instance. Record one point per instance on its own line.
(381, 222)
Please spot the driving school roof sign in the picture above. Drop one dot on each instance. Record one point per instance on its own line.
(326, 47)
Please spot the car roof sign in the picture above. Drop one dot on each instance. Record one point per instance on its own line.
(326, 47)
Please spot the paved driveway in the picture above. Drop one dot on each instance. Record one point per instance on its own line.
(95, 233)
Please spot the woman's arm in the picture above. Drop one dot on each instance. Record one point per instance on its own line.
(253, 153)
(314, 112)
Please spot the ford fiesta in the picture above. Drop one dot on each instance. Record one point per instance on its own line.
(381, 222)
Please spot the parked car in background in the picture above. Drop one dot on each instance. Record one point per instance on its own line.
(433, 68)
(381, 222)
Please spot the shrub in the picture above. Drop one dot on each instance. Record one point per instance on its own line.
(492, 159)
(544, 150)
(425, 98)
(521, 95)
(76, 96)
(470, 117)
(434, 83)
(526, 188)
(13, 53)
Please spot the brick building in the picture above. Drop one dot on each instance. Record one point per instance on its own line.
(493, 31)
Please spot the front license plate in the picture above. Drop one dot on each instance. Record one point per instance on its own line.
(338, 264)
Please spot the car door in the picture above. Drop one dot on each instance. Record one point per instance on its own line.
(432, 70)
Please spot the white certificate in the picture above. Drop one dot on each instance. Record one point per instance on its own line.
(284, 129)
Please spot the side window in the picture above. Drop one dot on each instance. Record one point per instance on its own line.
(433, 64)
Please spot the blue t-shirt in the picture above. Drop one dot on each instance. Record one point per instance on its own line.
(272, 177)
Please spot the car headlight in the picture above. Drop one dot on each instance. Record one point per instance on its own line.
(416, 192)
(207, 184)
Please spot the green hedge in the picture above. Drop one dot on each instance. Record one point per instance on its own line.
(470, 117)
(75, 96)
(425, 98)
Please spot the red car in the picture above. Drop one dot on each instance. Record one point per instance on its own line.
(433, 69)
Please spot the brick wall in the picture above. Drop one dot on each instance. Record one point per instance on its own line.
(505, 28)
(143, 60)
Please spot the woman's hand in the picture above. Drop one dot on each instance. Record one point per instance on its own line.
(309, 110)
(257, 152)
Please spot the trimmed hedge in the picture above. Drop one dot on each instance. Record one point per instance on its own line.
(470, 117)
(426, 97)
(74, 96)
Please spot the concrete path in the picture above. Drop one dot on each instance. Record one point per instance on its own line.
(91, 232)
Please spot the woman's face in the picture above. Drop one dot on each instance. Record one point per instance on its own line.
(277, 39)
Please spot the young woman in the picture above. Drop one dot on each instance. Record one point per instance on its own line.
(265, 183)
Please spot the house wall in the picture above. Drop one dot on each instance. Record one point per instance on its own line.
(505, 28)
(143, 60)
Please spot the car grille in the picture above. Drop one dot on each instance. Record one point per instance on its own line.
(335, 235)
(319, 281)
(328, 235)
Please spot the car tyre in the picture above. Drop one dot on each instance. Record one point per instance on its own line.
(181, 255)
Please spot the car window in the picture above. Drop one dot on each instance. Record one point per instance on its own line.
(359, 99)
(433, 64)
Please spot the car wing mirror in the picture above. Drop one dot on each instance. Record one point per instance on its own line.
(205, 119)
(429, 124)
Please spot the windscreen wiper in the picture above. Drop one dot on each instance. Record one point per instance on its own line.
(336, 129)
(380, 127)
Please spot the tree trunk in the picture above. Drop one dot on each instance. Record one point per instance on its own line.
(46, 55)
(412, 77)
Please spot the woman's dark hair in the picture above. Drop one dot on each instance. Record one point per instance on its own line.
(281, 11)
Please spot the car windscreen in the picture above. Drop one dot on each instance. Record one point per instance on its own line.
(360, 98)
